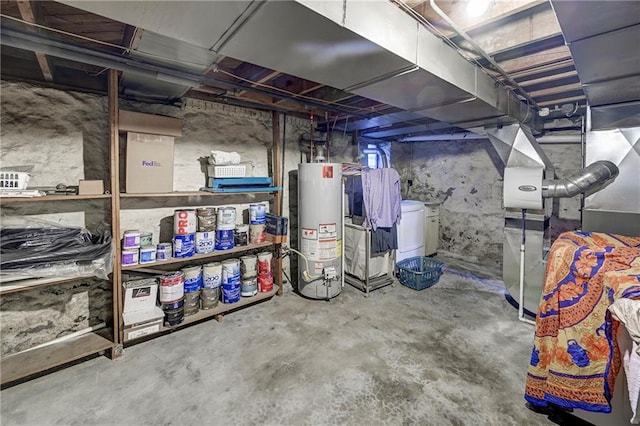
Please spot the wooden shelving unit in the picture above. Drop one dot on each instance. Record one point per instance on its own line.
(193, 194)
(218, 310)
(30, 284)
(26, 364)
(48, 198)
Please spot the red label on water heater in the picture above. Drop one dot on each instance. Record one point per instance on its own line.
(327, 172)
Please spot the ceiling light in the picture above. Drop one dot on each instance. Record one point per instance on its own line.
(477, 8)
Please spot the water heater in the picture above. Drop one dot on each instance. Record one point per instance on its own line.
(320, 229)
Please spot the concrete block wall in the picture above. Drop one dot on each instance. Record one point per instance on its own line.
(65, 136)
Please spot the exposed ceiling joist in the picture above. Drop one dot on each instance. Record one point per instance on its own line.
(26, 12)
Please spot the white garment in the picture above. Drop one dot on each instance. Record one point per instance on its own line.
(628, 312)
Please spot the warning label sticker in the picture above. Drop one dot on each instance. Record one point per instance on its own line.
(327, 231)
(327, 172)
(328, 249)
(309, 234)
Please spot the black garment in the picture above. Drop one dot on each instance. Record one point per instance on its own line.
(383, 239)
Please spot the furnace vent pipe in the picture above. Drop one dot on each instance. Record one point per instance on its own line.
(595, 176)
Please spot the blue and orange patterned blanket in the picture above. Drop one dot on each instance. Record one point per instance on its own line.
(575, 357)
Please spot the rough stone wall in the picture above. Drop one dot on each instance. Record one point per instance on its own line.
(65, 136)
(466, 177)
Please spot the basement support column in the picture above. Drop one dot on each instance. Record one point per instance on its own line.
(276, 161)
(118, 336)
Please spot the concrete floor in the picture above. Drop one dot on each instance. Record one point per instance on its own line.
(454, 354)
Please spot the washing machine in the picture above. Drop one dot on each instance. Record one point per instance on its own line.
(411, 230)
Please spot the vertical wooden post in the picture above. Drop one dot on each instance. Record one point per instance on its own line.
(115, 212)
(277, 178)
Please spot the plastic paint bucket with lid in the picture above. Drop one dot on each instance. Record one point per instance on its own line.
(129, 257)
(265, 283)
(226, 218)
(257, 233)
(171, 287)
(205, 242)
(147, 254)
(184, 245)
(206, 219)
(131, 239)
(209, 297)
(224, 239)
(146, 239)
(248, 266)
(164, 251)
(249, 287)
(192, 278)
(264, 263)
(212, 275)
(184, 222)
(173, 312)
(257, 214)
(241, 235)
(230, 271)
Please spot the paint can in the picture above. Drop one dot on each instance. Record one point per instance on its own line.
(206, 219)
(171, 287)
(249, 287)
(241, 235)
(248, 266)
(231, 292)
(184, 245)
(130, 257)
(224, 239)
(131, 239)
(147, 254)
(146, 239)
(191, 302)
(173, 312)
(265, 283)
(164, 251)
(205, 242)
(264, 263)
(257, 233)
(257, 214)
(212, 275)
(192, 278)
(209, 297)
(226, 218)
(230, 271)
(184, 222)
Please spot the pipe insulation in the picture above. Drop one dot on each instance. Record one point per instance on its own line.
(593, 177)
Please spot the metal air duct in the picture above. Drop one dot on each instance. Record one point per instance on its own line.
(591, 179)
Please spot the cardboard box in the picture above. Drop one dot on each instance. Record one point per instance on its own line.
(130, 121)
(276, 227)
(142, 330)
(149, 163)
(140, 295)
(90, 187)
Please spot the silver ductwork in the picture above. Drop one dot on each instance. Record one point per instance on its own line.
(369, 48)
(591, 179)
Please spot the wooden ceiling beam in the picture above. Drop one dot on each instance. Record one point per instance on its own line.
(26, 12)
(269, 76)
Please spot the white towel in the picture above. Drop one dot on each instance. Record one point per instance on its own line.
(628, 312)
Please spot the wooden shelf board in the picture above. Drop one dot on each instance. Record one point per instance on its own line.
(28, 363)
(191, 194)
(203, 314)
(29, 284)
(213, 255)
(53, 198)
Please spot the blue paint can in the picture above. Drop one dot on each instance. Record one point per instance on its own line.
(184, 245)
(231, 292)
(257, 214)
(192, 278)
(224, 239)
(231, 271)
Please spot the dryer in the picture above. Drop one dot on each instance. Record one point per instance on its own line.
(411, 230)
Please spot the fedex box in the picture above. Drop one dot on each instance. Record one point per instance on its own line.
(149, 163)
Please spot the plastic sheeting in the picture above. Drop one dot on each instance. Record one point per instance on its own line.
(42, 249)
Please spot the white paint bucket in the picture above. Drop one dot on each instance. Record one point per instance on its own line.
(264, 263)
(131, 239)
(171, 287)
(248, 266)
(130, 257)
(192, 278)
(257, 233)
(184, 245)
(146, 239)
(212, 275)
(226, 219)
(249, 287)
(147, 254)
(257, 214)
(184, 222)
(164, 251)
(205, 242)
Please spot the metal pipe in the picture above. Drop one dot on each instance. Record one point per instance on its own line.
(37, 43)
(482, 53)
(521, 316)
(593, 178)
(449, 137)
(559, 139)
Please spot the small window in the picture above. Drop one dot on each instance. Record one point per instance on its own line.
(375, 155)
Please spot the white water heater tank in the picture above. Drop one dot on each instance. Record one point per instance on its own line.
(320, 229)
(410, 230)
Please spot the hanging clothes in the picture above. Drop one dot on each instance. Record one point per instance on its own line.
(381, 196)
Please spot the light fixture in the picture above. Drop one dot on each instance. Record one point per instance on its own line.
(477, 8)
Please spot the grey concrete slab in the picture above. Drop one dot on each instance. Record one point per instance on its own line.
(453, 354)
